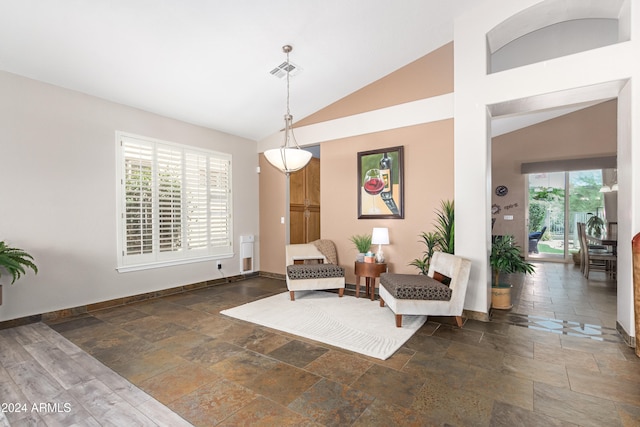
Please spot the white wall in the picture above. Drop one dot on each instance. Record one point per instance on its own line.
(576, 35)
(584, 74)
(58, 190)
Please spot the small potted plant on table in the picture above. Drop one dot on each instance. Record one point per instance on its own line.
(505, 258)
(362, 243)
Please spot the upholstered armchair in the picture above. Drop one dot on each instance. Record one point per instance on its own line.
(313, 266)
(414, 294)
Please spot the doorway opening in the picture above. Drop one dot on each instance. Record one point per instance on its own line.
(304, 200)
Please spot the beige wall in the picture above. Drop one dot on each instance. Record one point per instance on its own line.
(428, 175)
(272, 208)
(590, 132)
(429, 76)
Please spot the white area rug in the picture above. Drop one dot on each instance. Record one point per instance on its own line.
(356, 324)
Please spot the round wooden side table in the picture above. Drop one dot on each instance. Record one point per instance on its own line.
(370, 271)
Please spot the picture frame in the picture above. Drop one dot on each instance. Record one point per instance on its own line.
(381, 183)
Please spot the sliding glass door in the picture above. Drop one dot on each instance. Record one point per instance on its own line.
(547, 217)
(557, 201)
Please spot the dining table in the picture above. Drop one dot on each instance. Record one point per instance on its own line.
(604, 241)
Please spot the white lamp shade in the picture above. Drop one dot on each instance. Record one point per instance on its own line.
(380, 236)
(288, 159)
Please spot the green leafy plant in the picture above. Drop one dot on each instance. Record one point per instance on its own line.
(537, 214)
(442, 239)
(595, 225)
(15, 261)
(506, 258)
(430, 240)
(362, 242)
(445, 227)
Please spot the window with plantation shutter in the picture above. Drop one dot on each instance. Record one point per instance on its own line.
(175, 203)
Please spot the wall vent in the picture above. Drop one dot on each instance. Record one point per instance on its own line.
(246, 253)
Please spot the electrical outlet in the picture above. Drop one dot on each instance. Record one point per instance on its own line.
(219, 265)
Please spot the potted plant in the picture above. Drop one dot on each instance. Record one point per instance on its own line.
(442, 239)
(505, 258)
(445, 226)
(15, 261)
(595, 225)
(362, 243)
(576, 257)
(430, 240)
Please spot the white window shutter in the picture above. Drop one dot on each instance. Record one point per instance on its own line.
(169, 198)
(138, 194)
(176, 203)
(196, 182)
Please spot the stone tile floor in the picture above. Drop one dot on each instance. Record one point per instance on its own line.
(554, 359)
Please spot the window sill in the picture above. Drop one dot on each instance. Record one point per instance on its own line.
(169, 263)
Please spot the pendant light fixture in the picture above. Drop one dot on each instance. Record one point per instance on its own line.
(289, 157)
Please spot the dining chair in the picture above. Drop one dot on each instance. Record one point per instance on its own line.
(594, 259)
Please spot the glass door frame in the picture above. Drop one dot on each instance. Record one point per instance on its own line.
(566, 255)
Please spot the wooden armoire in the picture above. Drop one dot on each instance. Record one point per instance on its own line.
(304, 203)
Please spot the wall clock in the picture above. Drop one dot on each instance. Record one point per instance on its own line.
(501, 190)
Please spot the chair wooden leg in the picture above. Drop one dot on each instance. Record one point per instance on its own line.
(381, 302)
(585, 273)
(341, 292)
(459, 321)
(398, 320)
(291, 293)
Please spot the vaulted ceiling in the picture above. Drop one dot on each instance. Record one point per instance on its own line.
(208, 62)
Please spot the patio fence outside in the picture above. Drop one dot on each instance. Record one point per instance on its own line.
(554, 237)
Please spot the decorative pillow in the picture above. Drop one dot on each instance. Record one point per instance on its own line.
(328, 249)
(442, 278)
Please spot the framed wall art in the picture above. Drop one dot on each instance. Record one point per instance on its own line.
(381, 183)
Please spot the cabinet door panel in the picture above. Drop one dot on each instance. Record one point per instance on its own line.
(297, 225)
(296, 188)
(312, 176)
(313, 225)
(304, 187)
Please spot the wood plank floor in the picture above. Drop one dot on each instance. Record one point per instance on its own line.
(47, 380)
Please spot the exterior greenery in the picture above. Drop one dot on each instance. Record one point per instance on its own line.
(537, 215)
(442, 239)
(15, 261)
(505, 258)
(361, 242)
(546, 204)
(585, 191)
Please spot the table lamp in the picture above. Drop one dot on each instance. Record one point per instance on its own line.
(380, 236)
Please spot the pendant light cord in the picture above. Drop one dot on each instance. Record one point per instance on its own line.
(287, 49)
